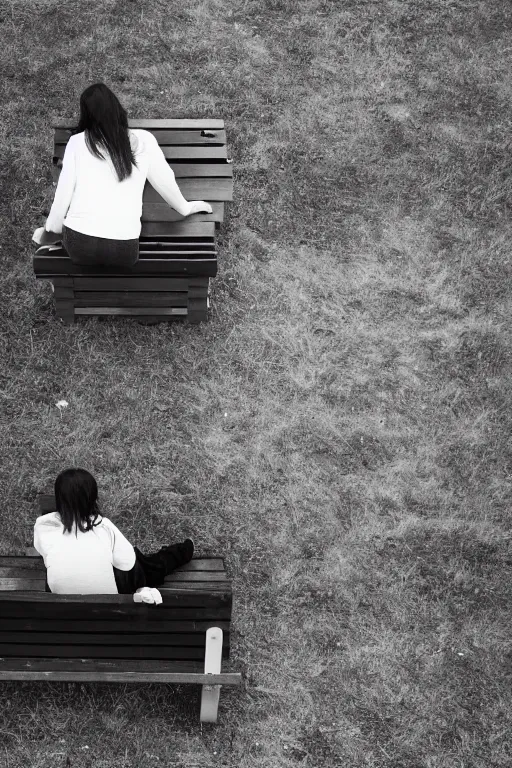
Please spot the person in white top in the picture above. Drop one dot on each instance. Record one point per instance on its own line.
(98, 201)
(86, 554)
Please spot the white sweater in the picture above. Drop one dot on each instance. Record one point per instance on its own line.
(82, 565)
(90, 198)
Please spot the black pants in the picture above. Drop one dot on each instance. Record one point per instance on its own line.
(84, 249)
(149, 570)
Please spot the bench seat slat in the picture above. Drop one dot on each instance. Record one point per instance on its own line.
(36, 561)
(195, 189)
(205, 150)
(204, 170)
(163, 212)
(177, 136)
(182, 169)
(169, 123)
(210, 189)
(186, 228)
(176, 577)
(36, 583)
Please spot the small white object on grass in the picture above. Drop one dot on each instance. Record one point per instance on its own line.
(62, 404)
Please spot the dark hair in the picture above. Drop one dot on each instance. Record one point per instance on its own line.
(105, 122)
(76, 497)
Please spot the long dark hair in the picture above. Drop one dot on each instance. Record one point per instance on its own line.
(76, 496)
(105, 123)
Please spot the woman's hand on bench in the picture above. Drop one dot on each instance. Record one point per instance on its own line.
(199, 206)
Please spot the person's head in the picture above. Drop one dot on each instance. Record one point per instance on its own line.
(76, 496)
(105, 123)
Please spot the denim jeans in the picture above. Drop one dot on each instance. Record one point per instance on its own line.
(84, 249)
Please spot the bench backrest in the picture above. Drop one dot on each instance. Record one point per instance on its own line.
(43, 625)
(38, 624)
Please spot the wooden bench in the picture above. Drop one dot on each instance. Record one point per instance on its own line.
(177, 255)
(110, 638)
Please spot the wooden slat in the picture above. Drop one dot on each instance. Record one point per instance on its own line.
(98, 638)
(207, 149)
(122, 605)
(164, 212)
(30, 670)
(195, 153)
(195, 189)
(132, 311)
(162, 626)
(36, 562)
(129, 299)
(182, 170)
(185, 228)
(171, 269)
(37, 584)
(83, 651)
(136, 283)
(189, 136)
(63, 613)
(17, 584)
(212, 586)
(202, 170)
(153, 122)
(176, 246)
(36, 576)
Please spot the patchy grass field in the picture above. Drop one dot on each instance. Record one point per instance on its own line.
(341, 427)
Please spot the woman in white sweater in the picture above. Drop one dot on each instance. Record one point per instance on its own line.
(98, 201)
(86, 554)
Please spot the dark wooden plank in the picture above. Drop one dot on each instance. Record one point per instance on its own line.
(164, 212)
(122, 605)
(36, 561)
(193, 576)
(30, 579)
(146, 123)
(132, 311)
(129, 299)
(176, 246)
(182, 170)
(185, 228)
(47, 269)
(67, 612)
(176, 137)
(98, 638)
(17, 584)
(202, 170)
(206, 150)
(83, 651)
(213, 586)
(63, 294)
(194, 154)
(79, 625)
(136, 283)
(195, 189)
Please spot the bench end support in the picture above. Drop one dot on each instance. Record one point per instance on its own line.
(212, 666)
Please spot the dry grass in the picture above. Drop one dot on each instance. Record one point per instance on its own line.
(340, 429)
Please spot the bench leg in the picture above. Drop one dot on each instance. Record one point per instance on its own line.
(64, 299)
(212, 665)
